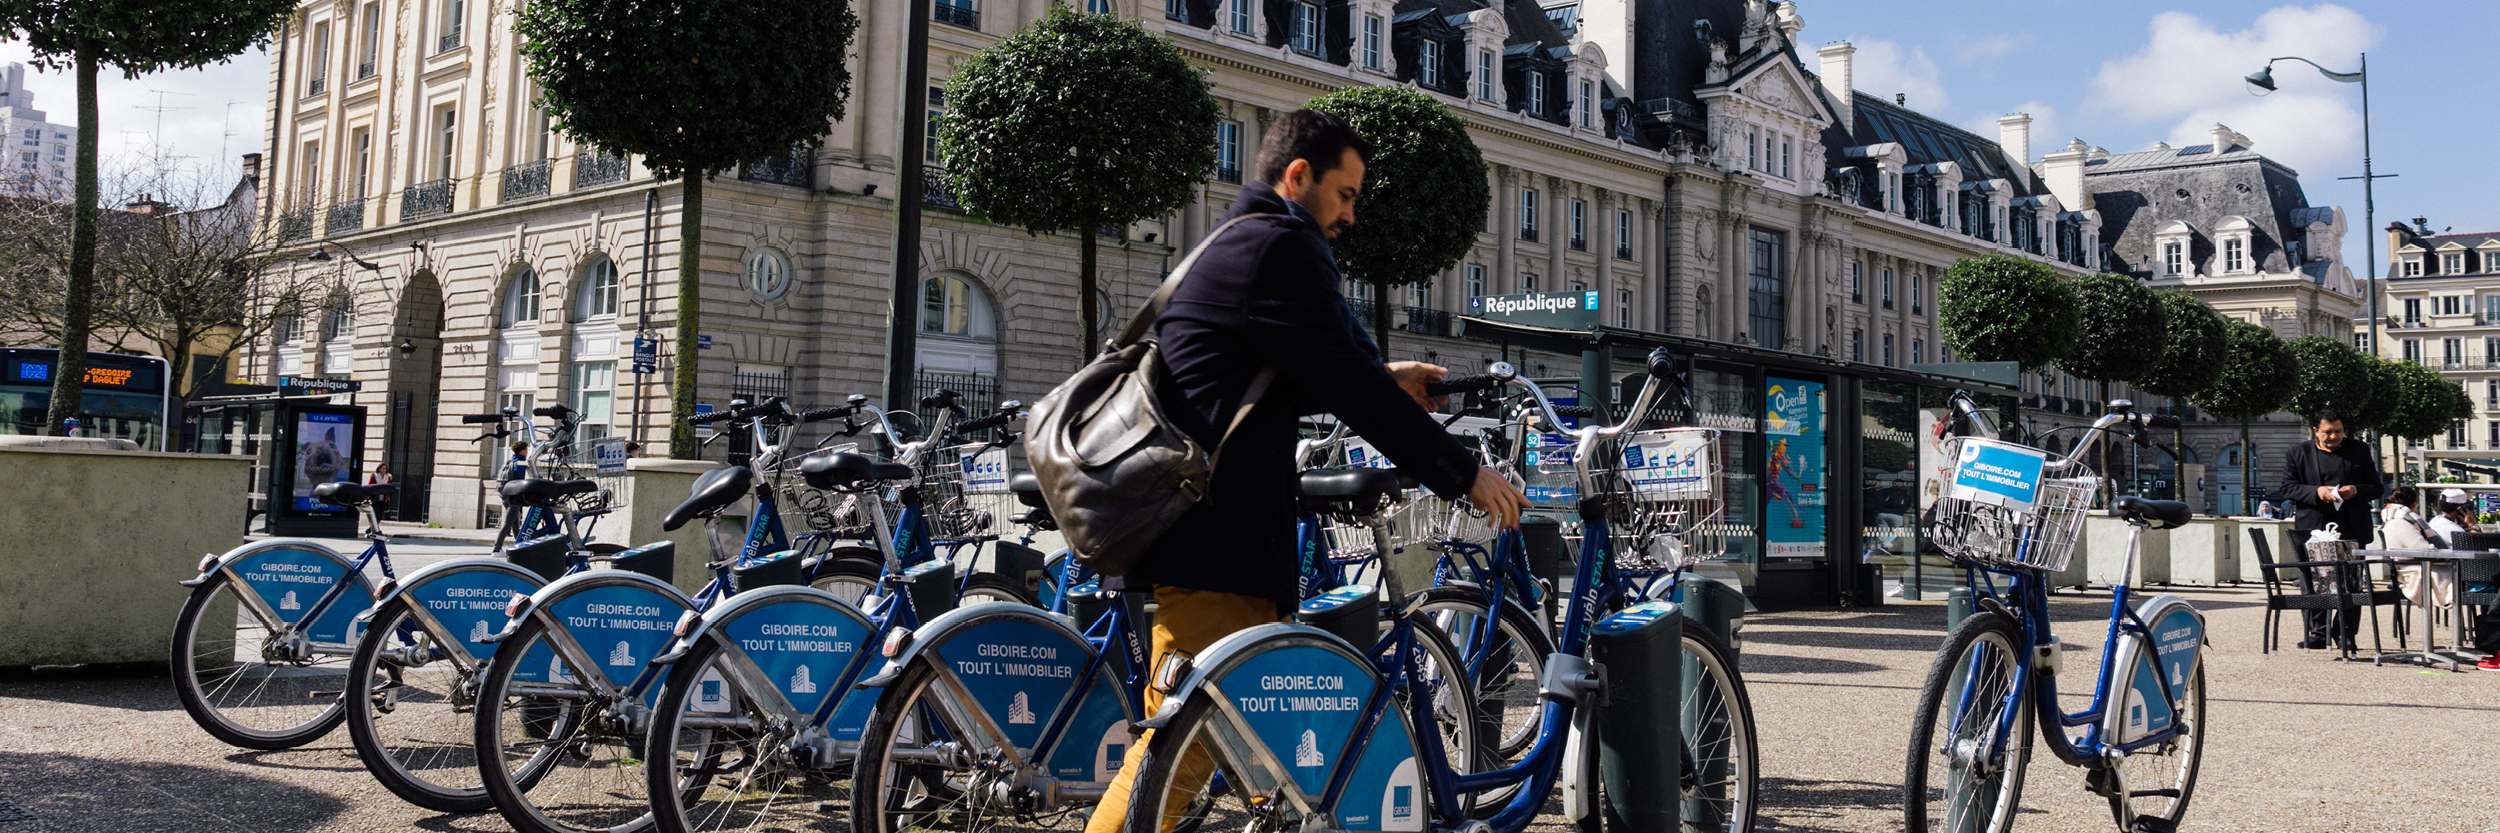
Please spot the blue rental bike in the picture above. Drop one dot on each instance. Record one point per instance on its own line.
(262, 651)
(561, 708)
(1305, 731)
(2011, 514)
(761, 711)
(412, 681)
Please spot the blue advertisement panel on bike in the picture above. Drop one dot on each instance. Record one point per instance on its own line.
(290, 581)
(802, 646)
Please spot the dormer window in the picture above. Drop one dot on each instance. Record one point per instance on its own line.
(1587, 104)
(1240, 16)
(2491, 260)
(1536, 93)
(2412, 266)
(2174, 258)
(1371, 41)
(1306, 28)
(1484, 74)
(2452, 263)
(1428, 60)
(2234, 255)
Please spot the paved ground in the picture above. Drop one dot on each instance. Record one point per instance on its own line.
(2297, 743)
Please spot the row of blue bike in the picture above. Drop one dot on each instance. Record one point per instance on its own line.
(900, 667)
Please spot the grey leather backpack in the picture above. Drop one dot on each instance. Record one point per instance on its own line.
(1115, 473)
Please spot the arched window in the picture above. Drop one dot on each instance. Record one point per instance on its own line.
(597, 296)
(336, 323)
(768, 274)
(951, 306)
(520, 300)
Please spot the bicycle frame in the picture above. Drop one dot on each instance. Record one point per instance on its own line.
(2029, 609)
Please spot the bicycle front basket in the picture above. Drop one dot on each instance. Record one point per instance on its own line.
(1665, 495)
(2011, 527)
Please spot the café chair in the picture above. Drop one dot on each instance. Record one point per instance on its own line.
(2287, 588)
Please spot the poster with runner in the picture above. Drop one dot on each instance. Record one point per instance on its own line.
(1795, 477)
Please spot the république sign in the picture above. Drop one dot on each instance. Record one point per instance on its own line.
(1557, 310)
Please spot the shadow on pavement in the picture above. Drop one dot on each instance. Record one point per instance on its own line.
(133, 686)
(1756, 662)
(76, 793)
(1809, 806)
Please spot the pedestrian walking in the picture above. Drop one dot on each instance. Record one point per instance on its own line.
(517, 467)
(381, 476)
(2329, 481)
(1264, 295)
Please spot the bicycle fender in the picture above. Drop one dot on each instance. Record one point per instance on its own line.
(2141, 707)
(622, 617)
(465, 597)
(1018, 663)
(288, 574)
(796, 640)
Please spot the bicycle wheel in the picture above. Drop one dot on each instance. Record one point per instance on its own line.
(552, 754)
(1454, 700)
(913, 773)
(231, 681)
(1719, 737)
(410, 718)
(720, 762)
(848, 578)
(1507, 664)
(2158, 780)
(1954, 781)
(1170, 790)
(991, 587)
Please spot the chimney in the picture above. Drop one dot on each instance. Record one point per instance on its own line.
(1839, 78)
(2225, 138)
(2014, 135)
(251, 168)
(2062, 172)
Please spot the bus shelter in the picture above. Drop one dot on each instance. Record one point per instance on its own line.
(1831, 460)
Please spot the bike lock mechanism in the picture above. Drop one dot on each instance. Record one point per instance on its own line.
(1640, 739)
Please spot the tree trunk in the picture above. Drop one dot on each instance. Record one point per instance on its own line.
(78, 307)
(2248, 469)
(1089, 313)
(1380, 317)
(682, 444)
(2178, 451)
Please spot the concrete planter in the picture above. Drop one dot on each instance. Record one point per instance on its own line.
(652, 487)
(95, 539)
(2203, 553)
(2107, 538)
(2075, 575)
(2250, 569)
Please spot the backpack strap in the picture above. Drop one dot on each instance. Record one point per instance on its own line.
(1153, 308)
(1249, 400)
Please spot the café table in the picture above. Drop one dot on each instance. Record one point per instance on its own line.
(2430, 652)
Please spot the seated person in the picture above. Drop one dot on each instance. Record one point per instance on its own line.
(2456, 514)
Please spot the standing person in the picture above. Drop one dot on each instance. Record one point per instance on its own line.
(2330, 480)
(514, 469)
(1265, 295)
(381, 476)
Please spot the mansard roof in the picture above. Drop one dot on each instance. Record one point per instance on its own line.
(1925, 140)
(2137, 193)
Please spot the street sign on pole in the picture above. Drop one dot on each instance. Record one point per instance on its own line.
(1557, 310)
(646, 355)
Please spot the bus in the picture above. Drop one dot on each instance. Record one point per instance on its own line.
(126, 397)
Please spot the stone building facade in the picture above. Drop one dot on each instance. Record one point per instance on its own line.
(2443, 312)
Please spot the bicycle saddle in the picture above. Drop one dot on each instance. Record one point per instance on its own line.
(532, 491)
(845, 470)
(1027, 487)
(1357, 485)
(2153, 514)
(714, 491)
(350, 494)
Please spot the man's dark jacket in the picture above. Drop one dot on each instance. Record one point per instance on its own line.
(2305, 468)
(1265, 294)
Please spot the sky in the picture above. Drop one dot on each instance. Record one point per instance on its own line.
(2118, 74)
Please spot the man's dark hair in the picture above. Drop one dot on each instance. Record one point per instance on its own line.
(1312, 135)
(2325, 415)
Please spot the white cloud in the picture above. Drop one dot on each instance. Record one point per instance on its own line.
(1884, 68)
(204, 135)
(1992, 46)
(2190, 73)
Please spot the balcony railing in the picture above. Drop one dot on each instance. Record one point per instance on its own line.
(795, 169)
(1427, 321)
(364, 70)
(295, 224)
(448, 42)
(1579, 244)
(1528, 234)
(526, 180)
(317, 86)
(592, 169)
(425, 199)
(1623, 252)
(344, 217)
(1231, 175)
(959, 15)
(936, 191)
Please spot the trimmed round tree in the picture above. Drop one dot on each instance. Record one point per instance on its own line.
(2425, 405)
(136, 37)
(1424, 192)
(2257, 378)
(1077, 122)
(2120, 332)
(2193, 350)
(2379, 401)
(1999, 308)
(2327, 373)
(694, 87)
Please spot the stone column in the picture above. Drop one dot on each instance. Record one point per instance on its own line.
(1556, 223)
(1602, 240)
(1505, 229)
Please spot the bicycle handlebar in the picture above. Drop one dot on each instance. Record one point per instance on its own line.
(480, 419)
(558, 410)
(707, 419)
(822, 414)
(985, 423)
(1462, 384)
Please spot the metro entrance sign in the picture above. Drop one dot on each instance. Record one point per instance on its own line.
(1552, 310)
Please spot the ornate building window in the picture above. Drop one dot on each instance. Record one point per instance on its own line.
(597, 297)
(1305, 17)
(520, 300)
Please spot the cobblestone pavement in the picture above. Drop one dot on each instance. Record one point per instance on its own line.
(2297, 742)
